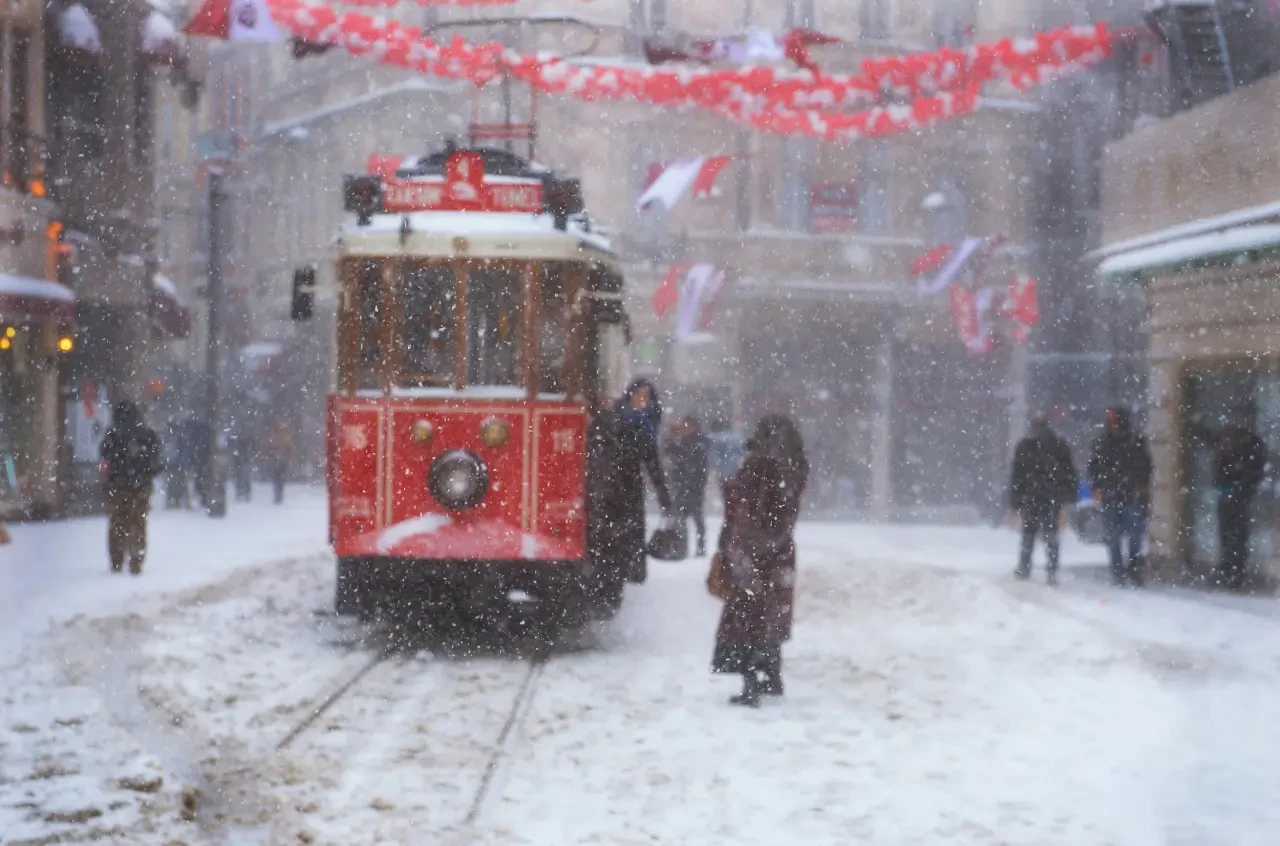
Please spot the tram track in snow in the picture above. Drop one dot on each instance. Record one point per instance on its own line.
(473, 706)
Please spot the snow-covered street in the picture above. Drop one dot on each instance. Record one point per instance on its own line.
(931, 699)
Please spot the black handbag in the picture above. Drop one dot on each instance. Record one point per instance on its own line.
(669, 543)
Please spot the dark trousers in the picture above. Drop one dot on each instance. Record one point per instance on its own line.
(1233, 530)
(693, 511)
(1040, 521)
(278, 472)
(127, 528)
(1126, 527)
(244, 481)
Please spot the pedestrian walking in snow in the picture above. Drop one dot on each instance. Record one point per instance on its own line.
(1044, 482)
(1120, 474)
(756, 558)
(280, 452)
(5, 540)
(131, 460)
(624, 447)
(688, 453)
(1239, 461)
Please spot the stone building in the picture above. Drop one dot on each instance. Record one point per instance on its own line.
(35, 311)
(821, 315)
(1192, 219)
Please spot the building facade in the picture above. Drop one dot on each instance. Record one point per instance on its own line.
(1192, 221)
(821, 316)
(35, 311)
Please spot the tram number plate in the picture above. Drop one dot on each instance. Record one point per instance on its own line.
(564, 440)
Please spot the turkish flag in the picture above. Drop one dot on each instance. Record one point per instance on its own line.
(668, 293)
(234, 20)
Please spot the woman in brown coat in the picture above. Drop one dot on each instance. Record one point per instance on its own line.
(757, 545)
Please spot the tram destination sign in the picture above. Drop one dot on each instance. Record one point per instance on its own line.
(463, 188)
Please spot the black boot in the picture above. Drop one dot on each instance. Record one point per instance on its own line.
(772, 685)
(750, 695)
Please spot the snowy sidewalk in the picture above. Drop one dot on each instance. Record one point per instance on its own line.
(56, 570)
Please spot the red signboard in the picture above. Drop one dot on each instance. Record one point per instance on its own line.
(833, 207)
(464, 188)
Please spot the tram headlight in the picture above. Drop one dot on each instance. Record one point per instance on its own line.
(458, 480)
(423, 432)
(494, 431)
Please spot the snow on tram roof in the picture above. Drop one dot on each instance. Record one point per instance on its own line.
(475, 224)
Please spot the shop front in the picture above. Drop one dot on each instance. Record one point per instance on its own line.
(1214, 354)
(36, 318)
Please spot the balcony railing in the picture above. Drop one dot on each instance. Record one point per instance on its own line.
(23, 160)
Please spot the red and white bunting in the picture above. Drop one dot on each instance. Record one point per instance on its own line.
(969, 311)
(935, 86)
(674, 180)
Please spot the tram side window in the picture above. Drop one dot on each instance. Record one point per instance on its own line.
(553, 343)
(427, 329)
(494, 294)
(368, 324)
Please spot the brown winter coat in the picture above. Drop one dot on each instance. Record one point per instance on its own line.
(762, 505)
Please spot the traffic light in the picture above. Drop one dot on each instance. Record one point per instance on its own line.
(304, 293)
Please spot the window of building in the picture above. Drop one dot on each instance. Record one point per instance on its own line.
(953, 22)
(802, 14)
(875, 181)
(658, 15)
(877, 18)
(797, 166)
(142, 117)
(19, 151)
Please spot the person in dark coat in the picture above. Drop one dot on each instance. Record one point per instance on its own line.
(1120, 474)
(688, 453)
(1239, 462)
(131, 460)
(623, 447)
(1044, 482)
(757, 543)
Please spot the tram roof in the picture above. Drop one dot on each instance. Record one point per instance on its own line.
(493, 235)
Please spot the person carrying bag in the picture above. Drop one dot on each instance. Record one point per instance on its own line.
(753, 571)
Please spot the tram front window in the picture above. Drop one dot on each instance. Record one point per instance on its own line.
(368, 311)
(494, 295)
(427, 333)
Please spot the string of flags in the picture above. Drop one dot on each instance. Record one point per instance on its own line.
(891, 94)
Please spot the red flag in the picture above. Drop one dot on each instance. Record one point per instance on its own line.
(234, 20)
(705, 181)
(668, 293)
(1022, 306)
(711, 299)
(930, 261)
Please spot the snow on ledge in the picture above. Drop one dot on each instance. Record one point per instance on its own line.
(78, 29)
(428, 524)
(158, 33)
(1181, 250)
(38, 289)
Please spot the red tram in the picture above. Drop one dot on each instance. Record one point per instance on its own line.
(480, 319)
